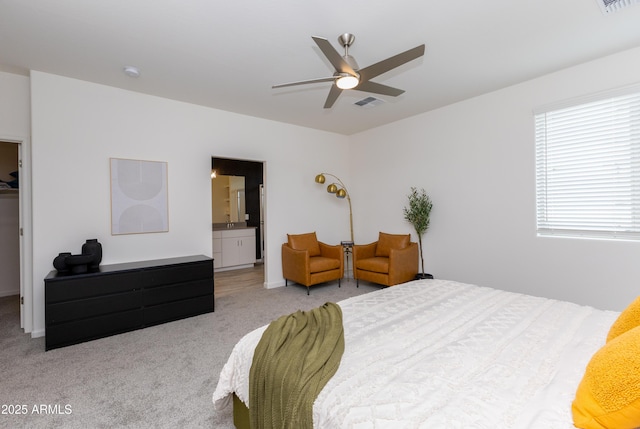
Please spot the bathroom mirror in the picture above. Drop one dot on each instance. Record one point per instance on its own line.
(227, 199)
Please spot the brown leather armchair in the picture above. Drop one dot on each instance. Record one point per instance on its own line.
(307, 261)
(391, 260)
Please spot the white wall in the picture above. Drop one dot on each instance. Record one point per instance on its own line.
(77, 126)
(476, 161)
(14, 106)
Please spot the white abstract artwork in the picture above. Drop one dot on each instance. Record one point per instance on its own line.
(138, 196)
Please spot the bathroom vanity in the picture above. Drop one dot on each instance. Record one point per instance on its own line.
(234, 247)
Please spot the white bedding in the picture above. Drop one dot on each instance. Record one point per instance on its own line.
(441, 354)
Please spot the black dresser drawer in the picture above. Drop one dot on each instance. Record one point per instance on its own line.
(86, 286)
(64, 334)
(177, 292)
(91, 307)
(177, 310)
(176, 274)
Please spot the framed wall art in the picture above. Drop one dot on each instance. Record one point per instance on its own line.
(139, 201)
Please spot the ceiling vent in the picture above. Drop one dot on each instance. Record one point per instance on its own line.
(610, 6)
(369, 102)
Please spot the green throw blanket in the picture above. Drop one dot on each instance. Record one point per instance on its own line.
(294, 359)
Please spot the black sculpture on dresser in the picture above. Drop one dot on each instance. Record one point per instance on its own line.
(88, 260)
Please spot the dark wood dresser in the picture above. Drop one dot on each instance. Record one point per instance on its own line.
(124, 297)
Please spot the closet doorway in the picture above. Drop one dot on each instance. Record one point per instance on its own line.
(237, 203)
(10, 230)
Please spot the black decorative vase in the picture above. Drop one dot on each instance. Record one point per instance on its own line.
(60, 264)
(93, 247)
(79, 263)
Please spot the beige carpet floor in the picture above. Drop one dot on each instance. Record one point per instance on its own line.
(158, 377)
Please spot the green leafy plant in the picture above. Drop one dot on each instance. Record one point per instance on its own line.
(417, 214)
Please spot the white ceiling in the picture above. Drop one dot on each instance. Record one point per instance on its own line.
(227, 55)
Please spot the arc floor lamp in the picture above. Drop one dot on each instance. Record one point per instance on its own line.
(340, 191)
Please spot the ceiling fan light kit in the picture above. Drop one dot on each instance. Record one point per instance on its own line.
(346, 81)
(348, 75)
(610, 6)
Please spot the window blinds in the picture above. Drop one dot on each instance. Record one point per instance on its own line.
(588, 167)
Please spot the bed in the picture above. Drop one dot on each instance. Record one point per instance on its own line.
(444, 354)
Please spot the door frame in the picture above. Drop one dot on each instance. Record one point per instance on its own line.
(25, 225)
(263, 202)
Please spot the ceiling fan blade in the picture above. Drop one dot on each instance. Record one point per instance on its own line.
(334, 92)
(378, 88)
(384, 66)
(303, 82)
(333, 56)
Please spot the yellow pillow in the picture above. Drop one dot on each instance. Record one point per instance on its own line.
(628, 319)
(608, 396)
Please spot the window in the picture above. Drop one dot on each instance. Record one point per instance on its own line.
(588, 167)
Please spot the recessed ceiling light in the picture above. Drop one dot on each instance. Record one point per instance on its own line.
(131, 71)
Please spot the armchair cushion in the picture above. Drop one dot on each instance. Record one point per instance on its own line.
(319, 264)
(386, 242)
(307, 241)
(377, 265)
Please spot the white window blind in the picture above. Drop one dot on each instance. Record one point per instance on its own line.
(588, 167)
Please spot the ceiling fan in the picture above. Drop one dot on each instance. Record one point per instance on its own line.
(347, 73)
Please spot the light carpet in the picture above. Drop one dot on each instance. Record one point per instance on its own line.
(158, 377)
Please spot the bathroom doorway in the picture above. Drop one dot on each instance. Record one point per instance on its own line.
(237, 195)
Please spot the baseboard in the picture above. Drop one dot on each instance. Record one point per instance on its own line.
(37, 334)
(235, 267)
(273, 285)
(4, 293)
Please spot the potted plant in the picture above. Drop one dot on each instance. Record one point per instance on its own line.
(417, 214)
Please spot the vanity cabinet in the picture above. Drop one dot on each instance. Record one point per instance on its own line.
(234, 248)
(217, 249)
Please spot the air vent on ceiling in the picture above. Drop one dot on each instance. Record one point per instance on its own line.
(609, 6)
(369, 102)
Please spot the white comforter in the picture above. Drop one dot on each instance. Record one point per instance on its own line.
(441, 354)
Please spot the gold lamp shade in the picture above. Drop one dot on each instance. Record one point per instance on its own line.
(332, 188)
(341, 193)
(320, 178)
